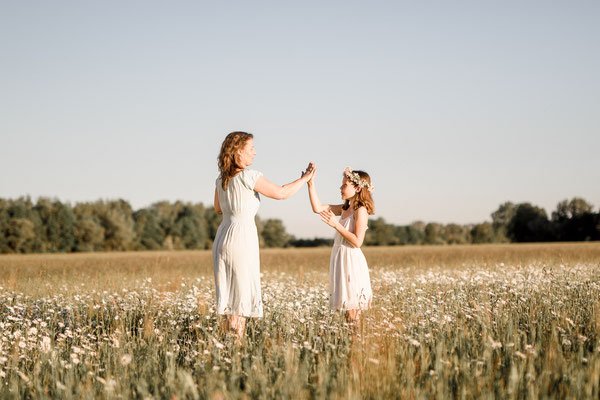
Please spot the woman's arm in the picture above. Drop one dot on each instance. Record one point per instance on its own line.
(355, 238)
(217, 204)
(274, 191)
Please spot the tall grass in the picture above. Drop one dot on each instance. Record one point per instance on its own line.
(447, 322)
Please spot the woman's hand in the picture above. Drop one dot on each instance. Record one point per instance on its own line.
(309, 173)
(328, 217)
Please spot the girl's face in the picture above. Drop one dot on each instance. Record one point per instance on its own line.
(347, 189)
(247, 154)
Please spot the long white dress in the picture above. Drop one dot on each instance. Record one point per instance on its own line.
(235, 249)
(349, 281)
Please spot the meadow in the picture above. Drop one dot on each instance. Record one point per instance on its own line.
(479, 321)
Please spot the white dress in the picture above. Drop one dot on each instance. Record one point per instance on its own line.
(349, 281)
(235, 249)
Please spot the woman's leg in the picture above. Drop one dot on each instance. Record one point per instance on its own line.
(224, 323)
(237, 323)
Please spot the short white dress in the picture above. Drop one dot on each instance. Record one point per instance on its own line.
(236, 255)
(349, 281)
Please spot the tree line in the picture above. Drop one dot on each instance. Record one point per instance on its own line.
(573, 220)
(49, 225)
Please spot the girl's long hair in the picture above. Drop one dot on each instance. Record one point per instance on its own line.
(362, 198)
(228, 160)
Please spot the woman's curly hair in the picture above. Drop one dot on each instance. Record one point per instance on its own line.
(228, 160)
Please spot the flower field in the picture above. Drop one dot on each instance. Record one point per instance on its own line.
(497, 321)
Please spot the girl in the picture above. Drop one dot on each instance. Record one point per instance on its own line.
(349, 282)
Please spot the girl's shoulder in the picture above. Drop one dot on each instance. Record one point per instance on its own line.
(362, 215)
(362, 210)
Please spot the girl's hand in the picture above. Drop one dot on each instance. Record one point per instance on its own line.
(313, 176)
(328, 217)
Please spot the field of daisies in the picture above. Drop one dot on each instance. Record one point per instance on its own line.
(502, 321)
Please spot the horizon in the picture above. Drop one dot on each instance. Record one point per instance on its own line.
(595, 208)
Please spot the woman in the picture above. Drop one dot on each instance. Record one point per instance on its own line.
(235, 249)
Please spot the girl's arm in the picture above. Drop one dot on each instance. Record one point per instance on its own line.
(315, 203)
(355, 238)
(274, 191)
(217, 204)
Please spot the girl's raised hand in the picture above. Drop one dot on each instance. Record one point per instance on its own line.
(328, 217)
(314, 174)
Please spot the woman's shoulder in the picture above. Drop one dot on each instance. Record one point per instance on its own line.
(250, 174)
(248, 171)
(249, 177)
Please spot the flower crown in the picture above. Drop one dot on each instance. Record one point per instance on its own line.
(355, 178)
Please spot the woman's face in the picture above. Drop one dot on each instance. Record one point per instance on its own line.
(347, 190)
(247, 154)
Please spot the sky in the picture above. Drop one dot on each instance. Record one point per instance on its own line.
(452, 107)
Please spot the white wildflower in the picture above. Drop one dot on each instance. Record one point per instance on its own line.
(495, 344)
(110, 384)
(126, 359)
(45, 344)
(218, 344)
(75, 358)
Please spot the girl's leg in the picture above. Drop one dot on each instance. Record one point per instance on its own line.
(352, 316)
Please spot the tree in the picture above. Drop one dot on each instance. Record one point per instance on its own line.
(274, 234)
(500, 220)
(20, 235)
(401, 235)
(89, 233)
(457, 234)
(416, 232)
(4, 225)
(380, 233)
(434, 233)
(22, 209)
(576, 207)
(482, 233)
(190, 226)
(167, 215)
(315, 242)
(117, 221)
(574, 220)
(148, 232)
(529, 224)
(57, 222)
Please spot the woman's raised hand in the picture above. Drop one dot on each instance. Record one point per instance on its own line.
(309, 173)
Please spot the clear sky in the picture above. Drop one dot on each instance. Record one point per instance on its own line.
(452, 107)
